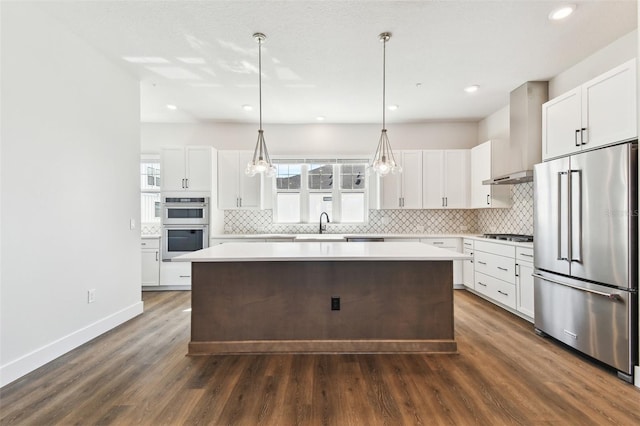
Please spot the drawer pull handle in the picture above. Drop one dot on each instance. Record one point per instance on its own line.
(503, 293)
(468, 244)
(185, 276)
(482, 263)
(526, 255)
(482, 284)
(438, 242)
(502, 269)
(612, 296)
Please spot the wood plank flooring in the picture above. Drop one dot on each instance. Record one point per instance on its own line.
(139, 374)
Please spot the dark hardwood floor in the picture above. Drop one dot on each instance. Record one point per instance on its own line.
(139, 374)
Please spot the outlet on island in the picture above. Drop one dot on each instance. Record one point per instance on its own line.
(335, 303)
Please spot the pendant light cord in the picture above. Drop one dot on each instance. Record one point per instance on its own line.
(384, 56)
(260, 78)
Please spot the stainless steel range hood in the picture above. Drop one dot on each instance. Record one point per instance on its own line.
(511, 179)
(525, 133)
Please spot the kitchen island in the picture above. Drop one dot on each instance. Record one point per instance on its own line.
(322, 297)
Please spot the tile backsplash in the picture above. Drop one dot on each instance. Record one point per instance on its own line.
(516, 220)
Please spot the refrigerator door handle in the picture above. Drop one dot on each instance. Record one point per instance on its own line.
(612, 296)
(576, 217)
(561, 254)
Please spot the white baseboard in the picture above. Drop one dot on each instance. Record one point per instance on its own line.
(636, 376)
(36, 359)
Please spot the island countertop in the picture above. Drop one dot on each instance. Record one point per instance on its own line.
(321, 251)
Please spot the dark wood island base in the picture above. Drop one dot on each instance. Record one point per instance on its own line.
(287, 307)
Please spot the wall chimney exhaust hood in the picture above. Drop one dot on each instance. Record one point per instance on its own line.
(525, 130)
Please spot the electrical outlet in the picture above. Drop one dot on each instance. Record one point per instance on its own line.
(420, 228)
(335, 303)
(91, 295)
(132, 223)
(464, 228)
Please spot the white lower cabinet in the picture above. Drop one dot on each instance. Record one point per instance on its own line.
(453, 244)
(524, 281)
(150, 262)
(502, 273)
(467, 265)
(175, 274)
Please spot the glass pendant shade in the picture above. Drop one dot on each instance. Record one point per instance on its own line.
(261, 162)
(383, 161)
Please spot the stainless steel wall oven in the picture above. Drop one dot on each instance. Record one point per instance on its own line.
(185, 225)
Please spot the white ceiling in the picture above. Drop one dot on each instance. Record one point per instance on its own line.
(323, 58)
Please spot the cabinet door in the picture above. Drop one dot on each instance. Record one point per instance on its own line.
(467, 269)
(480, 171)
(198, 168)
(411, 179)
(609, 107)
(433, 172)
(390, 192)
(525, 288)
(151, 267)
(249, 186)
(172, 169)
(456, 178)
(561, 118)
(228, 180)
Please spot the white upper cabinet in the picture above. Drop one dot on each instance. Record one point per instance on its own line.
(186, 169)
(599, 112)
(497, 196)
(445, 175)
(236, 190)
(403, 190)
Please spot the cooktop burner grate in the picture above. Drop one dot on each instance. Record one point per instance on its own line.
(510, 237)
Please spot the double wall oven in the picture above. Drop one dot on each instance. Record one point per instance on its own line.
(185, 225)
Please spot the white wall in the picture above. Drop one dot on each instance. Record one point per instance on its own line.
(70, 164)
(495, 126)
(329, 139)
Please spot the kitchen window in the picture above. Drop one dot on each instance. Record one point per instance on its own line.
(306, 188)
(150, 189)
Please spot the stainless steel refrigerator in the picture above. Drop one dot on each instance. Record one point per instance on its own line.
(586, 253)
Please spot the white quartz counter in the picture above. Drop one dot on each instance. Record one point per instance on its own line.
(320, 251)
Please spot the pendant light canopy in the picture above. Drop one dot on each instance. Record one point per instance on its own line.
(383, 161)
(261, 162)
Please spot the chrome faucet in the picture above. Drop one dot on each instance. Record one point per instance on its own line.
(323, 227)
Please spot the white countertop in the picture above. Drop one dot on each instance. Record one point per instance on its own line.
(334, 237)
(320, 251)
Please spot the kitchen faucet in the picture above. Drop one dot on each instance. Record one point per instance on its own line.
(323, 227)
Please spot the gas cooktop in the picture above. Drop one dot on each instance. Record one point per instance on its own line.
(510, 237)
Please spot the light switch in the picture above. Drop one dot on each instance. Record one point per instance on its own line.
(132, 223)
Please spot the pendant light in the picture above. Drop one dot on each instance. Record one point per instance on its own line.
(261, 162)
(383, 160)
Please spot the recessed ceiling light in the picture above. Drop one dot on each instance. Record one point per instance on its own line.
(320, 118)
(172, 107)
(418, 85)
(471, 89)
(247, 107)
(393, 107)
(562, 12)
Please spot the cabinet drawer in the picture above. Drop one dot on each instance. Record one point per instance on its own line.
(524, 254)
(445, 243)
(496, 266)
(498, 290)
(175, 273)
(467, 244)
(150, 243)
(495, 248)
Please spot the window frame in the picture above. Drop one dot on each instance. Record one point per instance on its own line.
(336, 191)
